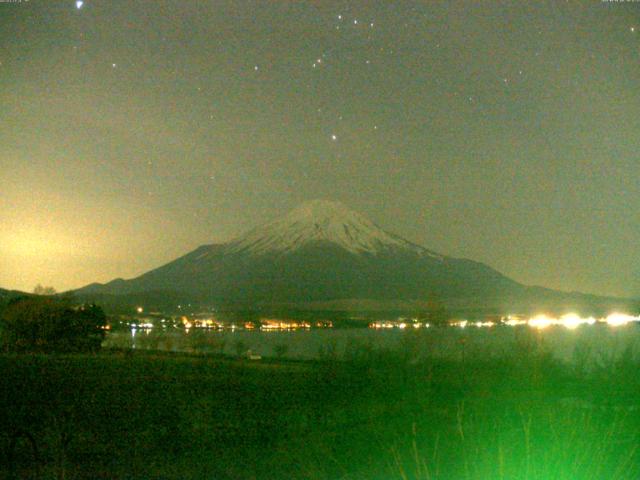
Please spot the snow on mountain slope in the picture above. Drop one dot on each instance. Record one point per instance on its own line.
(325, 252)
(322, 220)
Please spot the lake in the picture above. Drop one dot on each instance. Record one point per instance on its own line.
(599, 342)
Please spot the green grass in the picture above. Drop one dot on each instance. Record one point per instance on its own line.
(378, 415)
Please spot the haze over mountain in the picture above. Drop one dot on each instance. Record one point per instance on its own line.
(322, 253)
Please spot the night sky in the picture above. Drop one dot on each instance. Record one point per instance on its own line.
(132, 132)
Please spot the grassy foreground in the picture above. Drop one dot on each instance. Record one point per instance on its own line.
(376, 415)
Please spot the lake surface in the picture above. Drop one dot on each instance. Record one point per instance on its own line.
(595, 343)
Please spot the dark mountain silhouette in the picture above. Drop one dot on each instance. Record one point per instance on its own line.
(322, 253)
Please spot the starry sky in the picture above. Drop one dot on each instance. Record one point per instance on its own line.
(132, 132)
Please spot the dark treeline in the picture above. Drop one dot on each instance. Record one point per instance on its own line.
(50, 324)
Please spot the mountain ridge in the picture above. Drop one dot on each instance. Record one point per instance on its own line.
(321, 252)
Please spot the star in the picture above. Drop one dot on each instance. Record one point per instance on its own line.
(79, 4)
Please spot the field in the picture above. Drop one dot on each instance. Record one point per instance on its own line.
(375, 415)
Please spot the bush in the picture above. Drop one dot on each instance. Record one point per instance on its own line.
(51, 325)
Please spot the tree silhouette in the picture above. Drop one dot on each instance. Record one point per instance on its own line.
(45, 324)
(45, 291)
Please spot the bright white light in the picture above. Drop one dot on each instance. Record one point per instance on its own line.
(540, 322)
(512, 322)
(483, 324)
(139, 309)
(79, 4)
(571, 321)
(334, 137)
(619, 319)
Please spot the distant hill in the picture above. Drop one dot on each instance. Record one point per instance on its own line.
(7, 295)
(323, 255)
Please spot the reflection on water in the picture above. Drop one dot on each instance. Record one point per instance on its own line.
(599, 340)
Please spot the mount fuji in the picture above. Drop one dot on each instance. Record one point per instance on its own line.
(323, 253)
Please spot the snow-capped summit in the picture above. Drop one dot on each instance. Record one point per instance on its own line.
(321, 221)
(323, 252)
